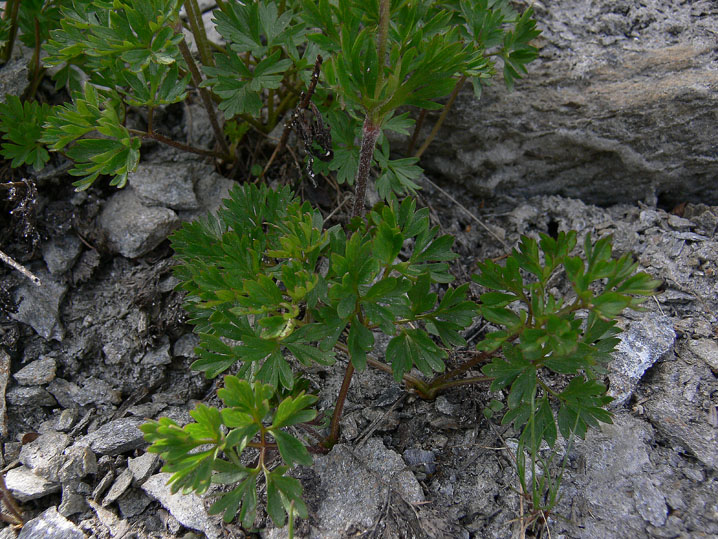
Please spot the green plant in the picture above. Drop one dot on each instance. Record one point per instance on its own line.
(114, 57)
(270, 290)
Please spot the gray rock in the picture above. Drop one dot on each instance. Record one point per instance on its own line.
(167, 185)
(132, 228)
(188, 509)
(420, 458)
(38, 306)
(68, 418)
(115, 437)
(44, 455)
(604, 114)
(116, 526)
(72, 502)
(617, 487)
(41, 371)
(211, 189)
(650, 502)
(79, 461)
(66, 393)
(8, 532)
(356, 484)
(185, 345)
(157, 356)
(25, 485)
(61, 253)
(30, 396)
(681, 409)
(133, 503)
(93, 391)
(50, 525)
(142, 467)
(14, 75)
(646, 342)
(707, 350)
(197, 127)
(118, 488)
(4, 377)
(443, 405)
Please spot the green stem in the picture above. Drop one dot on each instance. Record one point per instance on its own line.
(194, 16)
(206, 98)
(442, 117)
(11, 11)
(35, 63)
(383, 33)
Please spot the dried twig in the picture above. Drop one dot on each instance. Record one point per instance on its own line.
(304, 104)
(19, 267)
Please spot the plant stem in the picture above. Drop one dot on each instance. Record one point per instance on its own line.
(10, 501)
(11, 11)
(383, 32)
(433, 390)
(175, 144)
(442, 117)
(35, 63)
(481, 357)
(194, 16)
(415, 134)
(370, 134)
(341, 399)
(206, 98)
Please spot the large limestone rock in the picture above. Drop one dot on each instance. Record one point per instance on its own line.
(622, 104)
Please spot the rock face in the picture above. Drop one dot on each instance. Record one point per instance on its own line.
(620, 105)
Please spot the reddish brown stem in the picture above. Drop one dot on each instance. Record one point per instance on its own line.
(415, 134)
(341, 399)
(481, 357)
(10, 501)
(174, 143)
(370, 134)
(206, 97)
(442, 117)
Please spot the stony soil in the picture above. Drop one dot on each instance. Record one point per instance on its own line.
(103, 344)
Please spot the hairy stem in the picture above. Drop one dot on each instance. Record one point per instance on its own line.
(442, 117)
(206, 98)
(370, 134)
